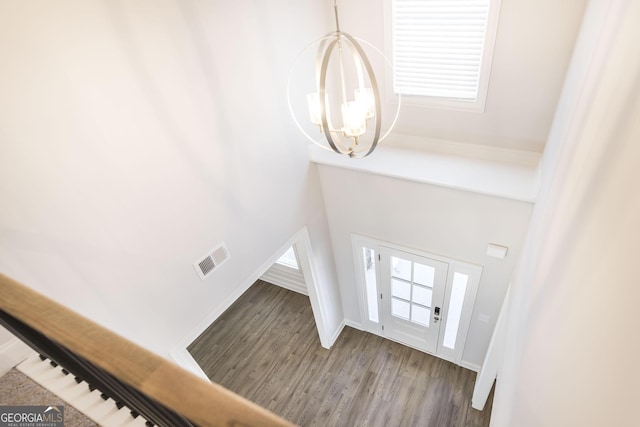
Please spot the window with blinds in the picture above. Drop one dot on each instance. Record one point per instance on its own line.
(442, 48)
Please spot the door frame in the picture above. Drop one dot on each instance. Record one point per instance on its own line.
(473, 271)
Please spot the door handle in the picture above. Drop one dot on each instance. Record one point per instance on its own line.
(436, 314)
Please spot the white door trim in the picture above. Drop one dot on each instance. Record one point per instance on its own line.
(357, 243)
(302, 243)
(474, 271)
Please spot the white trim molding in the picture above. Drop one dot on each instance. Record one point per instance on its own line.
(183, 358)
(493, 359)
(12, 353)
(302, 242)
(286, 277)
(353, 324)
(470, 366)
(493, 178)
(337, 333)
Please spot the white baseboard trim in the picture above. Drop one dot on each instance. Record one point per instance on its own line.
(471, 366)
(183, 358)
(286, 277)
(286, 286)
(479, 403)
(354, 325)
(214, 314)
(13, 353)
(301, 240)
(336, 334)
(224, 305)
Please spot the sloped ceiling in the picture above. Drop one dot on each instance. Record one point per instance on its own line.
(534, 43)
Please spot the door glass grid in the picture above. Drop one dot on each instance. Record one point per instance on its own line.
(424, 274)
(401, 268)
(400, 289)
(422, 295)
(411, 290)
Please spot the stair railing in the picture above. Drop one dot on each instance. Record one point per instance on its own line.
(157, 389)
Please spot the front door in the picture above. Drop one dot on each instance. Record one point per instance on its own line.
(412, 293)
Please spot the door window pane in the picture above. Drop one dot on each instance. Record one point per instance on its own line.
(420, 315)
(400, 308)
(401, 268)
(422, 295)
(369, 257)
(423, 274)
(400, 289)
(458, 289)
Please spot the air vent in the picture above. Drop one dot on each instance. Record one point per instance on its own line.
(211, 261)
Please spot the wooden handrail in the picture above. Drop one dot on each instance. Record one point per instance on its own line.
(201, 402)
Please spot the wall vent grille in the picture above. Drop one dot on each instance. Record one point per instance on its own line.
(211, 261)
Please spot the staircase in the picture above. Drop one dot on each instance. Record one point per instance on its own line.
(120, 375)
(79, 394)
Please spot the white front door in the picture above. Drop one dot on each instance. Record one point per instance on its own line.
(412, 294)
(416, 298)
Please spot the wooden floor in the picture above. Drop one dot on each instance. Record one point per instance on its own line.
(266, 348)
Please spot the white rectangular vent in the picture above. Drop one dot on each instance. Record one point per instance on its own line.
(211, 261)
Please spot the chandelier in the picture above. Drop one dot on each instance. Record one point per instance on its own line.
(360, 128)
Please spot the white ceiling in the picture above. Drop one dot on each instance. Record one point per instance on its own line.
(534, 43)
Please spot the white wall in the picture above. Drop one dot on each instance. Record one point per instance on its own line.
(448, 222)
(135, 137)
(572, 336)
(532, 52)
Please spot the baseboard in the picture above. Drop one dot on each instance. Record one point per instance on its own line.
(214, 314)
(336, 333)
(286, 277)
(354, 325)
(470, 366)
(285, 286)
(183, 358)
(12, 353)
(224, 305)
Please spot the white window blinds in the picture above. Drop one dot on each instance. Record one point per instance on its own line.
(438, 47)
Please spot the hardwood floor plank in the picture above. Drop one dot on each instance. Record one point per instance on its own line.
(266, 348)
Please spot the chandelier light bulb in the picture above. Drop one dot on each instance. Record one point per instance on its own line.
(361, 128)
(365, 97)
(315, 110)
(354, 119)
